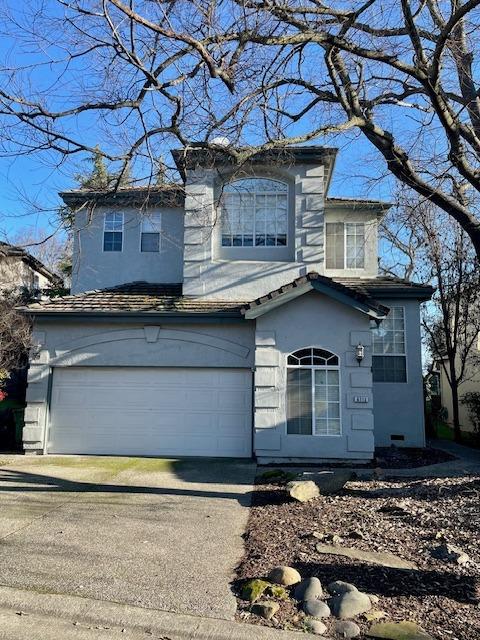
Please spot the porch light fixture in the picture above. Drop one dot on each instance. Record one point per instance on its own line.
(359, 353)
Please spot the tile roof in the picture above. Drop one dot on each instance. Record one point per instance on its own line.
(135, 297)
(167, 299)
(388, 285)
(168, 195)
(363, 297)
(10, 250)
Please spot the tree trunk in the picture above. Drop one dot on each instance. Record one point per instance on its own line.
(456, 417)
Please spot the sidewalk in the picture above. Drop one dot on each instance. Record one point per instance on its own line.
(28, 615)
(467, 463)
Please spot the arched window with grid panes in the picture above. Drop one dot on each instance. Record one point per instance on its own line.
(254, 213)
(313, 393)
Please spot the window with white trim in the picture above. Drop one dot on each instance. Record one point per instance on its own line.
(150, 234)
(254, 213)
(345, 245)
(113, 231)
(313, 393)
(389, 361)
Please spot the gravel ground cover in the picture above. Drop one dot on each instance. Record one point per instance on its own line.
(407, 517)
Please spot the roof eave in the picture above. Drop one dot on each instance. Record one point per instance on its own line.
(379, 207)
(129, 315)
(219, 156)
(171, 197)
(411, 293)
(375, 312)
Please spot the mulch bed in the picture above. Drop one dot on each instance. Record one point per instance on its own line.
(406, 517)
(391, 458)
(408, 458)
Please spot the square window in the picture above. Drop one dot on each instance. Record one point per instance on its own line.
(150, 242)
(112, 241)
(113, 232)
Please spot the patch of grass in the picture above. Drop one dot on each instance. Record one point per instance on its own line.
(278, 475)
(443, 431)
(111, 464)
(468, 438)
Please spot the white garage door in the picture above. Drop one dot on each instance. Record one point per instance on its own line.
(151, 411)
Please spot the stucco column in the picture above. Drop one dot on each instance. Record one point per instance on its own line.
(37, 396)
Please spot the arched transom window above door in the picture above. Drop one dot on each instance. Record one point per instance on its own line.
(313, 393)
(254, 213)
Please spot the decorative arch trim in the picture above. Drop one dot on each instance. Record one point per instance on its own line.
(149, 334)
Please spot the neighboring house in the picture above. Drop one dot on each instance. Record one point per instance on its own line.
(470, 384)
(21, 271)
(230, 315)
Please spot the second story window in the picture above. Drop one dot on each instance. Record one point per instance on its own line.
(113, 232)
(254, 213)
(345, 245)
(389, 362)
(150, 235)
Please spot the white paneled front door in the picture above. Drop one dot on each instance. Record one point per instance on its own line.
(151, 411)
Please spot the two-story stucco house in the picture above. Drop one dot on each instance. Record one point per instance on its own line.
(239, 313)
(19, 270)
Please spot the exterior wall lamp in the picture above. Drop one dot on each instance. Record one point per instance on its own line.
(359, 353)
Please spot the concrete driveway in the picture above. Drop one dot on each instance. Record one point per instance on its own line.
(148, 532)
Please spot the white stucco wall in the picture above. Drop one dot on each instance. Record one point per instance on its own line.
(471, 384)
(16, 274)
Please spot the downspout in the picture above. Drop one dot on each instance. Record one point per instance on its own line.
(254, 456)
(46, 426)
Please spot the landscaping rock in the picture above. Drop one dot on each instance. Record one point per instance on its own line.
(316, 608)
(338, 587)
(253, 589)
(302, 490)
(347, 629)
(308, 589)
(277, 591)
(329, 482)
(265, 609)
(315, 626)
(398, 631)
(374, 615)
(350, 604)
(373, 598)
(450, 553)
(284, 575)
(384, 559)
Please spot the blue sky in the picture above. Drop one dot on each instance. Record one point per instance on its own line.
(29, 185)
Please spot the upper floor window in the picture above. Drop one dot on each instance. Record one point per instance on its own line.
(150, 234)
(345, 245)
(313, 393)
(254, 213)
(113, 232)
(389, 362)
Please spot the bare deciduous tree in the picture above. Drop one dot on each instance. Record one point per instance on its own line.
(427, 244)
(15, 334)
(143, 75)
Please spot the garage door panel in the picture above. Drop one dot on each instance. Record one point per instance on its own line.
(151, 411)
